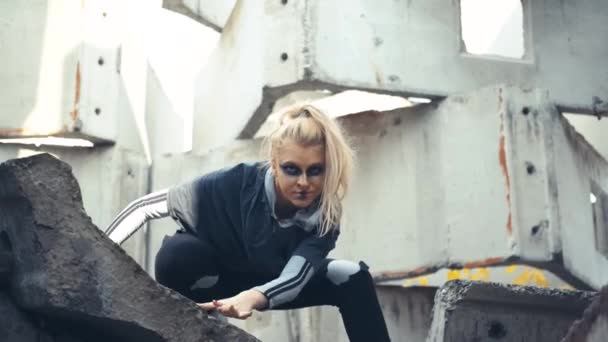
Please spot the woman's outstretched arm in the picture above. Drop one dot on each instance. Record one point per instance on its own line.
(137, 213)
(303, 264)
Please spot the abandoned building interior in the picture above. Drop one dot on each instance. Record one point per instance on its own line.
(480, 196)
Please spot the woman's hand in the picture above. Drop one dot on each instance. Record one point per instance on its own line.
(240, 306)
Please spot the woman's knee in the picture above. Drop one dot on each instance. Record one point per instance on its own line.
(182, 260)
(341, 272)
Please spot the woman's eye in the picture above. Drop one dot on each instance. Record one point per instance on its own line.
(290, 170)
(314, 171)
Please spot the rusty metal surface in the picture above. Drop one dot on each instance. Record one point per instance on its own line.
(593, 325)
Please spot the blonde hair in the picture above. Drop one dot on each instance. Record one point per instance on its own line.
(306, 125)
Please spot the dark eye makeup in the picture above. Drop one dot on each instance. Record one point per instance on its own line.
(291, 169)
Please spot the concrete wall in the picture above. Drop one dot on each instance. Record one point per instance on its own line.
(288, 48)
(579, 168)
(40, 41)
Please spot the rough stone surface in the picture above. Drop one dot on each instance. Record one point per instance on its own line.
(479, 311)
(66, 271)
(6, 262)
(19, 326)
(15, 326)
(593, 326)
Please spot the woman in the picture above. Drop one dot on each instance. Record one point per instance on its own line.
(256, 236)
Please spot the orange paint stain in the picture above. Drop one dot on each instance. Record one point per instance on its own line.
(74, 113)
(483, 263)
(502, 159)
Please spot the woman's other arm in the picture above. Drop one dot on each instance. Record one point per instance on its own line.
(137, 213)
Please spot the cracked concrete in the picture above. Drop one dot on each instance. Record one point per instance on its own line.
(67, 273)
(477, 311)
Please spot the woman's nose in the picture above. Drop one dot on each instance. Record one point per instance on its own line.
(302, 180)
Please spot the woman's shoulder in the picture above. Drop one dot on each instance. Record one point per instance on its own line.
(237, 175)
(246, 169)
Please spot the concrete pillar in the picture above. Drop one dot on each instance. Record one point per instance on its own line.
(475, 311)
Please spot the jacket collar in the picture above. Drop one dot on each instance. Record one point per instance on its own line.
(307, 218)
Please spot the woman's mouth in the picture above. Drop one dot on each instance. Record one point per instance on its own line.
(301, 195)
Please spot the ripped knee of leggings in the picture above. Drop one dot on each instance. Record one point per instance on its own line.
(341, 271)
(205, 282)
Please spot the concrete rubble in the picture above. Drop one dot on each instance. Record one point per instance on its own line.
(593, 326)
(478, 311)
(60, 273)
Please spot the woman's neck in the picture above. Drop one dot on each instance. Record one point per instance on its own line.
(283, 208)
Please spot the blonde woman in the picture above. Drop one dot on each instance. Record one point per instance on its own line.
(256, 236)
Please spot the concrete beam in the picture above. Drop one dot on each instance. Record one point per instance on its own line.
(400, 47)
(69, 270)
(211, 13)
(475, 311)
(77, 69)
(593, 326)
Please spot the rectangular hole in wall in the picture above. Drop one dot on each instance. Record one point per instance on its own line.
(599, 207)
(592, 129)
(493, 28)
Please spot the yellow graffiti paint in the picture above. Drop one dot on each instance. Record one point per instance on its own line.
(539, 279)
(453, 274)
(482, 274)
(513, 274)
(523, 278)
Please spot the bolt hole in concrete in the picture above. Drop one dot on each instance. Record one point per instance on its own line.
(530, 169)
(496, 330)
(492, 28)
(100, 61)
(97, 111)
(525, 110)
(104, 14)
(535, 230)
(284, 56)
(284, 2)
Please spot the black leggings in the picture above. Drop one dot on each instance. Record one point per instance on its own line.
(190, 266)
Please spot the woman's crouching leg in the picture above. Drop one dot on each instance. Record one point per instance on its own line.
(349, 286)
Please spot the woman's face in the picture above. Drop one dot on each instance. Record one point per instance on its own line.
(299, 173)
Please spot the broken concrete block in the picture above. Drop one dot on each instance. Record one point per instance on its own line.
(480, 311)
(66, 269)
(15, 326)
(6, 262)
(593, 326)
(19, 326)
